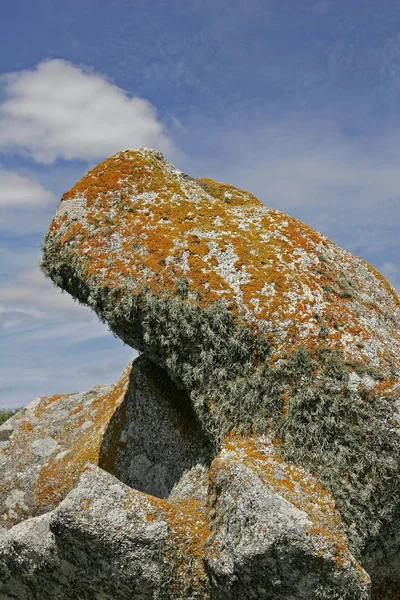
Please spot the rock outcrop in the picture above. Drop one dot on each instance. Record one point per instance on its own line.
(274, 525)
(45, 447)
(264, 410)
(108, 541)
(141, 429)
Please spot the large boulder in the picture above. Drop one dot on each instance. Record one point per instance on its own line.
(266, 324)
(266, 531)
(109, 542)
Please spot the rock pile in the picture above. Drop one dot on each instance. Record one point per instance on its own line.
(252, 450)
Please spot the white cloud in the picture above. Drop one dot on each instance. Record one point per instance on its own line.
(72, 331)
(34, 308)
(59, 110)
(18, 191)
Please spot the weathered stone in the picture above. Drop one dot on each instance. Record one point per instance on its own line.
(47, 444)
(381, 559)
(274, 527)
(29, 558)
(109, 542)
(259, 528)
(141, 429)
(154, 435)
(136, 224)
(266, 324)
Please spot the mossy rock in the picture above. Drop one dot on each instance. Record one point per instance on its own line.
(266, 324)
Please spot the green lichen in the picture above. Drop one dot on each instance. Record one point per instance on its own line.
(325, 592)
(346, 438)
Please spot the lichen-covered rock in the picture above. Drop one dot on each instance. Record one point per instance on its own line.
(135, 224)
(265, 323)
(106, 541)
(142, 429)
(381, 559)
(29, 559)
(258, 528)
(45, 446)
(275, 526)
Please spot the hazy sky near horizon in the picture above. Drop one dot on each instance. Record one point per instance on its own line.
(298, 102)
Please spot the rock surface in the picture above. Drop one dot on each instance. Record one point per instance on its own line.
(141, 429)
(273, 525)
(135, 224)
(277, 356)
(267, 324)
(46, 445)
(153, 437)
(252, 539)
(105, 541)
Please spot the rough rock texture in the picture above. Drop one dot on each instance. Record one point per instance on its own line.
(285, 349)
(154, 436)
(266, 323)
(105, 541)
(136, 224)
(275, 526)
(141, 429)
(250, 539)
(46, 445)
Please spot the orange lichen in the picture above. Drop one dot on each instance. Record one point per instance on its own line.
(45, 403)
(227, 193)
(58, 476)
(85, 503)
(146, 225)
(300, 489)
(385, 284)
(183, 548)
(188, 528)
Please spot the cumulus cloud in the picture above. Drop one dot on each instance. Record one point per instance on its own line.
(18, 191)
(59, 110)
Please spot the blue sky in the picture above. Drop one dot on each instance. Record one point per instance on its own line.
(298, 102)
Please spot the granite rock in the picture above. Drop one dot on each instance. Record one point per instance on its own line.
(258, 528)
(141, 429)
(269, 352)
(274, 525)
(45, 446)
(105, 541)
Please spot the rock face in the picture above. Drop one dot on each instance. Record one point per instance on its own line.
(262, 417)
(46, 445)
(108, 541)
(141, 429)
(273, 525)
(153, 437)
